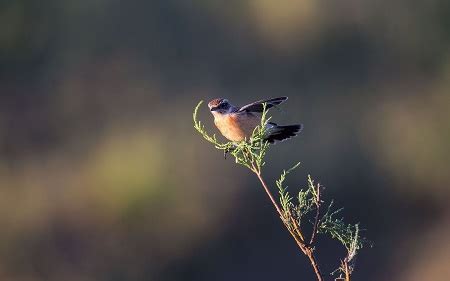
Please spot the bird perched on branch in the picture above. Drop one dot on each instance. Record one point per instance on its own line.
(237, 123)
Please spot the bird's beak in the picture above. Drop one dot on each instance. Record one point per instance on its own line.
(214, 108)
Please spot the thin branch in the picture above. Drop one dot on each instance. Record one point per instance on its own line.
(317, 217)
(314, 264)
(347, 271)
(305, 249)
(296, 226)
(258, 174)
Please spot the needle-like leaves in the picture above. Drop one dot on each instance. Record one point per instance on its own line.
(295, 214)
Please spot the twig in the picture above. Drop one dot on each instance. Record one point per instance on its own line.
(258, 174)
(317, 217)
(346, 270)
(307, 250)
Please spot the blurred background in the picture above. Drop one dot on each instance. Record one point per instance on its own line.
(102, 176)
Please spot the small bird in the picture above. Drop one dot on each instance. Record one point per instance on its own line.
(237, 123)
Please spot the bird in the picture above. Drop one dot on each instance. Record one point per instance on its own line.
(238, 123)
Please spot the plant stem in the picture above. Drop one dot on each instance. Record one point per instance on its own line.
(305, 249)
(258, 174)
(314, 264)
(347, 271)
(317, 218)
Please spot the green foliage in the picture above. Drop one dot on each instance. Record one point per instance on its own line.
(294, 213)
(307, 199)
(285, 197)
(249, 153)
(347, 234)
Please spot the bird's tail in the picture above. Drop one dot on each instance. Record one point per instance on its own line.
(279, 133)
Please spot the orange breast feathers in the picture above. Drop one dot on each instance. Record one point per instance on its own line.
(237, 127)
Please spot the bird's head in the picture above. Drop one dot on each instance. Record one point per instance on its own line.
(220, 106)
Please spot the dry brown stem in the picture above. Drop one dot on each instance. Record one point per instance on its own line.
(296, 233)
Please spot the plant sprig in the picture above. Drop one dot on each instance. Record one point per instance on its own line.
(295, 214)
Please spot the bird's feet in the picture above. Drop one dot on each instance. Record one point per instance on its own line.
(227, 150)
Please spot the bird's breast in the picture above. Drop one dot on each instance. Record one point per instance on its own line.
(236, 127)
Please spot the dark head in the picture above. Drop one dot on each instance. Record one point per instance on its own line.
(220, 106)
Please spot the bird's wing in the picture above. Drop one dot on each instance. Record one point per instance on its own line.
(257, 106)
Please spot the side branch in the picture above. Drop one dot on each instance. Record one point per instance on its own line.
(317, 202)
(297, 234)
